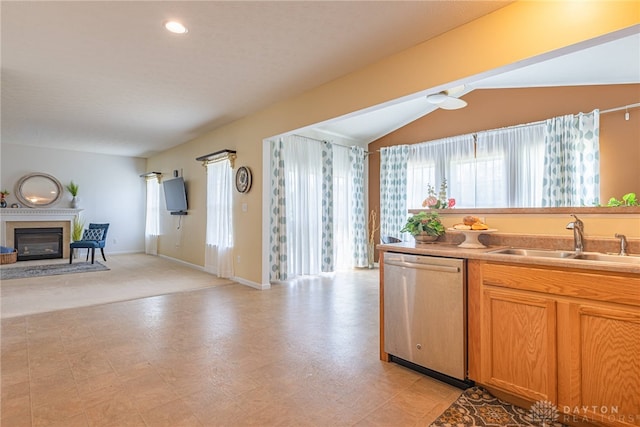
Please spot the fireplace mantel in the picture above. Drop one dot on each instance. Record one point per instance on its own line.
(12, 217)
(26, 214)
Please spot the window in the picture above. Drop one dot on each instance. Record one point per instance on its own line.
(500, 168)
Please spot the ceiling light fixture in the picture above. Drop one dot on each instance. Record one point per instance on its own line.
(448, 99)
(175, 27)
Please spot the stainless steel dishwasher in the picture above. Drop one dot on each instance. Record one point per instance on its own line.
(425, 313)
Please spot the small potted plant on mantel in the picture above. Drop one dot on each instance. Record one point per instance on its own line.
(72, 188)
(3, 194)
(424, 226)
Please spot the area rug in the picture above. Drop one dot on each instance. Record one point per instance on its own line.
(478, 407)
(49, 270)
(130, 277)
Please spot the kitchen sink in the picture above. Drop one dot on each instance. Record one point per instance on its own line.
(594, 256)
(587, 256)
(535, 253)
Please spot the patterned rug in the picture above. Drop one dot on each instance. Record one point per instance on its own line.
(49, 270)
(477, 407)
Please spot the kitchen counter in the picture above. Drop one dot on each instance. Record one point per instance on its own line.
(453, 251)
(543, 308)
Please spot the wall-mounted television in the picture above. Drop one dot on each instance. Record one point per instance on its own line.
(175, 196)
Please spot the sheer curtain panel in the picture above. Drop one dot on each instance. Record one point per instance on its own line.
(219, 233)
(152, 222)
(432, 162)
(342, 235)
(303, 191)
(509, 165)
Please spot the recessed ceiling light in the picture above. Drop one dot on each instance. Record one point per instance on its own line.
(175, 27)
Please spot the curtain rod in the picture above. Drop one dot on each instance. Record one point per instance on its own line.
(218, 156)
(610, 110)
(324, 140)
(150, 175)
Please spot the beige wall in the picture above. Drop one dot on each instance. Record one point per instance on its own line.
(516, 32)
(492, 109)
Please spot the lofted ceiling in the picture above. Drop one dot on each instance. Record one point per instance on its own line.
(106, 77)
(614, 59)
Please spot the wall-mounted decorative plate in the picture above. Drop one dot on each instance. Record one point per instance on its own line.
(243, 179)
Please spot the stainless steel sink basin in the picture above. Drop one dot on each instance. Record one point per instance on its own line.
(587, 256)
(593, 256)
(535, 253)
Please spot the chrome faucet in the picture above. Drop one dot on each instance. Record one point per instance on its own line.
(623, 244)
(578, 233)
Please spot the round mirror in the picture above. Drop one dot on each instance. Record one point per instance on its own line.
(38, 190)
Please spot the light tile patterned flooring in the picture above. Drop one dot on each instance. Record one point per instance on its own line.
(304, 353)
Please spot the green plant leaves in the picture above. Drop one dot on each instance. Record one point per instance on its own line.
(628, 199)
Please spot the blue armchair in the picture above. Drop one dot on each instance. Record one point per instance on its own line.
(93, 237)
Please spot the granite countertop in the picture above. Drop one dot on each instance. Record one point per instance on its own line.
(451, 250)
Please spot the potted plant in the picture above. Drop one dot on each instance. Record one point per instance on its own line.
(629, 199)
(4, 193)
(424, 227)
(77, 228)
(72, 188)
(439, 200)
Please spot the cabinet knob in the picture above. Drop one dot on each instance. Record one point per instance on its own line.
(419, 346)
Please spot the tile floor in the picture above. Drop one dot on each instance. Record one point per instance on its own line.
(304, 353)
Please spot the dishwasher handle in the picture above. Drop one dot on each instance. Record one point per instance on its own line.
(431, 267)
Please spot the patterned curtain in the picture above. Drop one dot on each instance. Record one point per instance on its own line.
(357, 214)
(327, 208)
(572, 161)
(393, 189)
(278, 213)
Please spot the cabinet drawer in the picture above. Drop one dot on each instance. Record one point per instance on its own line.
(616, 288)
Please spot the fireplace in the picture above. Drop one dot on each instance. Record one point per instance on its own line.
(38, 243)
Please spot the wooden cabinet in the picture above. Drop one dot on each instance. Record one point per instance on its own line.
(571, 337)
(602, 379)
(519, 344)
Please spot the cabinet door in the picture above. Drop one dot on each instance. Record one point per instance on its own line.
(604, 364)
(518, 344)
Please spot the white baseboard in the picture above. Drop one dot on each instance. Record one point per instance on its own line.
(240, 280)
(179, 261)
(110, 252)
(255, 285)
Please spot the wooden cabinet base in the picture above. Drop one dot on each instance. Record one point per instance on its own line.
(565, 336)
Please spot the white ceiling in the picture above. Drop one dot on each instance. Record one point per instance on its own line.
(106, 77)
